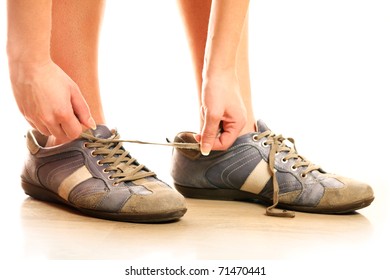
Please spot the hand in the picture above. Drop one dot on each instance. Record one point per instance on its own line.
(223, 112)
(50, 100)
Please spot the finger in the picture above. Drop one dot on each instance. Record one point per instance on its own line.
(227, 137)
(72, 128)
(202, 116)
(198, 136)
(57, 131)
(209, 132)
(40, 127)
(32, 124)
(231, 129)
(81, 109)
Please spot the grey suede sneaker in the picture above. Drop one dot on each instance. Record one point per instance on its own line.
(263, 167)
(96, 175)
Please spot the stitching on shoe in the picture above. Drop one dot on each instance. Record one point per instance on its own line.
(52, 173)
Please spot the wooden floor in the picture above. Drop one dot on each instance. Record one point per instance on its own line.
(210, 230)
(233, 233)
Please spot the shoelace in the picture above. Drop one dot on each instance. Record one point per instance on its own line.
(126, 167)
(277, 145)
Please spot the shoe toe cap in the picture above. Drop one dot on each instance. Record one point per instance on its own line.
(164, 201)
(160, 199)
(351, 196)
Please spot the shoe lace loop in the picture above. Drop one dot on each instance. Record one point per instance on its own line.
(278, 144)
(123, 166)
(126, 167)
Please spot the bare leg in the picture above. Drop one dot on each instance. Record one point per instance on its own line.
(74, 47)
(196, 18)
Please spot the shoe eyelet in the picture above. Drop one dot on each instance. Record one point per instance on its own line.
(93, 154)
(264, 144)
(85, 145)
(110, 177)
(284, 160)
(115, 184)
(293, 168)
(99, 163)
(303, 175)
(255, 138)
(105, 170)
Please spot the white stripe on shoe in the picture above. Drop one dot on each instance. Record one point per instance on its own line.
(258, 178)
(77, 177)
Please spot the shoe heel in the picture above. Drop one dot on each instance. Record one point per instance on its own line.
(38, 192)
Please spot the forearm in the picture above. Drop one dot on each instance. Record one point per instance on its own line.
(29, 29)
(227, 18)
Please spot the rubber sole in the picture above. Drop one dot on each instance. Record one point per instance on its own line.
(231, 194)
(40, 193)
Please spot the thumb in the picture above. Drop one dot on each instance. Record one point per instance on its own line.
(209, 132)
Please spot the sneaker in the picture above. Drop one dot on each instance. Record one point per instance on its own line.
(264, 167)
(97, 176)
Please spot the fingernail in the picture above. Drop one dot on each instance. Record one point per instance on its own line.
(92, 123)
(205, 149)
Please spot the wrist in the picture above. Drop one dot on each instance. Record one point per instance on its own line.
(219, 60)
(219, 64)
(218, 72)
(27, 53)
(21, 69)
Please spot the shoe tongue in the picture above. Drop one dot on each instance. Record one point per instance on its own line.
(261, 126)
(101, 131)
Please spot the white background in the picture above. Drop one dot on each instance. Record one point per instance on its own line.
(320, 73)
